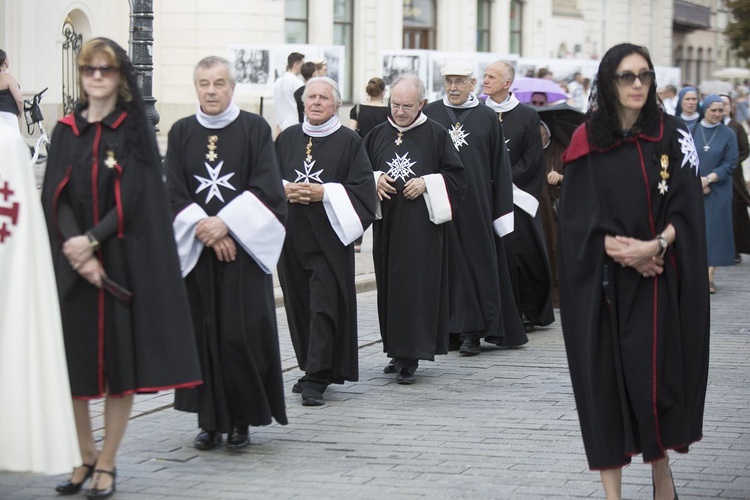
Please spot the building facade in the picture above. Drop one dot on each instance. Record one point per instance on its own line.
(679, 33)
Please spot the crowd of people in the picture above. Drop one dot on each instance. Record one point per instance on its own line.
(643, 204)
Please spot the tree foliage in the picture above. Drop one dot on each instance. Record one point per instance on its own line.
(738, 29)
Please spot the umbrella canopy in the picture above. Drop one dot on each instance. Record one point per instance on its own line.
(523, 88)
(562, 120)
(732, 72)
(715, 87)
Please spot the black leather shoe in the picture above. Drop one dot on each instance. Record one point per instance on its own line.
(470, 347)
(405, 377)
(95, 492)
(528, 326)
(238, 438)
(69, 487)
(390, 367)
(296, 388)
(312, 397)
(207, 440)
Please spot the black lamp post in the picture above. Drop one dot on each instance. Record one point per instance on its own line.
(141, 51)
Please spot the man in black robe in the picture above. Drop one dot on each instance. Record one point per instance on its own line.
(420, 181)
(229, 207)
(329, 184)
(526, 250)
(482, 303)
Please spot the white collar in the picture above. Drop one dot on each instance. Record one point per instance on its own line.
(416, 123)
(689, 118)
(218, 121)
(322, 130)
(705, 124)
(508, 104)
(471, 102)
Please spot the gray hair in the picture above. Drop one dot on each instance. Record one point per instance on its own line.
(210, 62)
(324, 79)
(414, 80)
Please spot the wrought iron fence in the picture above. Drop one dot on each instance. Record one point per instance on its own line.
(70, 48)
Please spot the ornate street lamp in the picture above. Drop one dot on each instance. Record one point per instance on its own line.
(141, 51)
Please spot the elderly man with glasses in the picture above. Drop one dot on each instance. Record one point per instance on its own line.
(420, 181)
(480, 284)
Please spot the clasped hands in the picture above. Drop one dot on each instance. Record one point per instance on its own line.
(213, 233)
(81, 257)
(413, 188)
(303, 193)
(638, 254)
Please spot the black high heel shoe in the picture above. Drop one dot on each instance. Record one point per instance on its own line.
(69, 487)
(95, 492)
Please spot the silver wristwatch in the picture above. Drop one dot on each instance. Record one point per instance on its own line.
(663, 244)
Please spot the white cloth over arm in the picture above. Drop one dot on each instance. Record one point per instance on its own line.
(525, 201)
(256, 228)
(504, 224)
(189, 247)
(378, 203)
(436, 198)
(341, 213)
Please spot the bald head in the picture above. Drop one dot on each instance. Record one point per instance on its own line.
(412, 81)
(407, 99)
(498, 78)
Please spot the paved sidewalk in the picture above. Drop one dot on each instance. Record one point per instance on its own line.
(501, 425)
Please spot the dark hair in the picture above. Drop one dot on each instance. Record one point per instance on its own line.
(603, 126)
(293, 58)
(3, 57)
(375, 87)
(543, 72)
(308, 69)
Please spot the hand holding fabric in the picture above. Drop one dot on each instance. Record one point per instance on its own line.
(209, 231)
(77, 250)
(92, 271)
(554, 178)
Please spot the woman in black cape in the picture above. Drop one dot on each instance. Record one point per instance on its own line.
(633, 287)
(125, 316)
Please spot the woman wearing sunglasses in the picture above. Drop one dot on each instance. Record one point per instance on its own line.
(633, 286)
(125, 316)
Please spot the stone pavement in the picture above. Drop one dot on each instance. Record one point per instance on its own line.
(501, 425)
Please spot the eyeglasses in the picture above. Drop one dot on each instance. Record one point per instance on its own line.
(105, 71)
(628, 78)
(538, 103)
(449, 82)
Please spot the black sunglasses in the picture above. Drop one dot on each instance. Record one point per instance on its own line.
(628, 78)
(104, 70)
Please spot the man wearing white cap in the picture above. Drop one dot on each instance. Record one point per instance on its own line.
(482, 303)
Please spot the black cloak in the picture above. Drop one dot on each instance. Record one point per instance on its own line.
(106, 178)
(637, 347)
